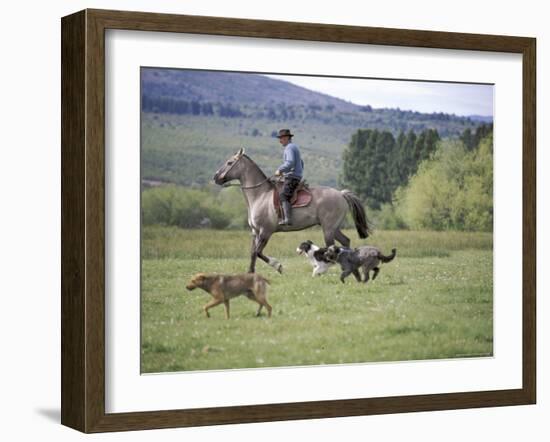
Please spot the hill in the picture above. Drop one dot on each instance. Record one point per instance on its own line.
(232, 88)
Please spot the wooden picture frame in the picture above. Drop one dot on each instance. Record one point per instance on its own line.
(83, 220)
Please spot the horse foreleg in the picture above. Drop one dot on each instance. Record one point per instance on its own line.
(272, 262)
(262, 242)
(253, 256)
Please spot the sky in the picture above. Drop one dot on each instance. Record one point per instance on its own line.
(451, 98)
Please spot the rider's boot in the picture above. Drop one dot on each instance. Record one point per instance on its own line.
(287, 211)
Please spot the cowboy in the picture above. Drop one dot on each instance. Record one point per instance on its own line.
(292, 169)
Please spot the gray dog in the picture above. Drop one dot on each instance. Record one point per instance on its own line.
(351, 260)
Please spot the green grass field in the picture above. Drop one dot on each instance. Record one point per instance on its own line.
(435, 300)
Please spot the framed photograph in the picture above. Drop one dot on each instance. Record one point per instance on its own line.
(269, 221)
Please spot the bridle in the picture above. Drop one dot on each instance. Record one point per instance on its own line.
(249, 187)
(231, 167)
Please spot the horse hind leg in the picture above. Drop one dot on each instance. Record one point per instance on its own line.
(329, 235)
(331, 223)
(332, 235)
(341, 238)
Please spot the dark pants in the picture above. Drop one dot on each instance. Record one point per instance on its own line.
(289, 187)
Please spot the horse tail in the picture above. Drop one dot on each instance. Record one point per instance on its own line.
(358, 212)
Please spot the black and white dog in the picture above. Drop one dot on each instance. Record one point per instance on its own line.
(351, 260)
(316, 256)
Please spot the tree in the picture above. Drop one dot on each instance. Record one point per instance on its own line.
(375, 164)
(467, 139)
(195, 108)
(207, 109)
(409, 163)
(367, 166)
(354, 162)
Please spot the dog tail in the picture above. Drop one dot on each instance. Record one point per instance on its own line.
(387, 258)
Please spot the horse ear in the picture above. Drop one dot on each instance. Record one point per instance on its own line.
(240, 153)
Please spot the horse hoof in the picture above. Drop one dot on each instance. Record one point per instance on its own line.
(280, 268)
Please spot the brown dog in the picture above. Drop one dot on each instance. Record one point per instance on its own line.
(225, 287)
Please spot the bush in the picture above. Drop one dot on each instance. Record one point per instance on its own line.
(452, 190)
(182, 207)
(231, 202)
(387, 218)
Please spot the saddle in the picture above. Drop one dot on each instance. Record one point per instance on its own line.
(301, 197)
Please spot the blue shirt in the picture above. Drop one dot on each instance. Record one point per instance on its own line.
(292, 166)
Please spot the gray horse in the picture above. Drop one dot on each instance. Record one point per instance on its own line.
(328, 208)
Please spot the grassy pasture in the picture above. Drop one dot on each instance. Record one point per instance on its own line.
(433, 301)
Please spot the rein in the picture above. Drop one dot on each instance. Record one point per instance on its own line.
(250, 187)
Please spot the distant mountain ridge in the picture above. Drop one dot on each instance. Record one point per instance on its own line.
(232, 88)
(259, 96)
(481, 118)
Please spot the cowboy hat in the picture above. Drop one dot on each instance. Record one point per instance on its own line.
(285, 133)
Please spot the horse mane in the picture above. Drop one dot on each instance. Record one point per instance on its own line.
(253, 162)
